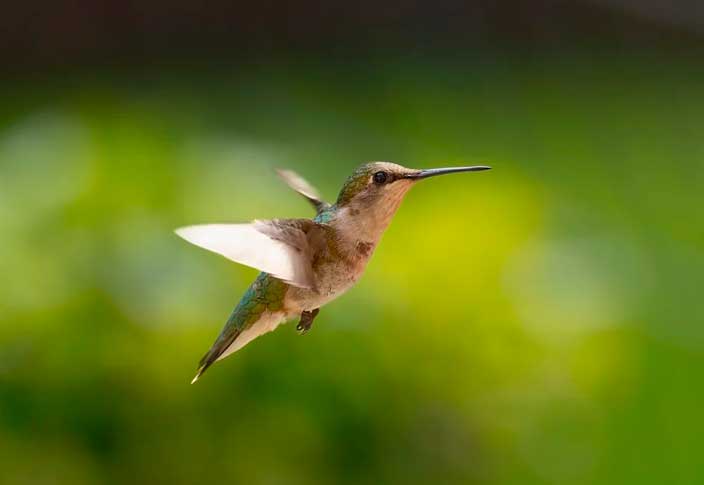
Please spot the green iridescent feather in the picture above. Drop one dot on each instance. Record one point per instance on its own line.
(265, 293)
(355, 183)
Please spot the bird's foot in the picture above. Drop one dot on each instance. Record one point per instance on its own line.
(306, 321)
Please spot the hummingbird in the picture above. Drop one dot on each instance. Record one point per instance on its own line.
(306, 263)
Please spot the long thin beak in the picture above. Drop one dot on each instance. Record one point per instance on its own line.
(432, 172)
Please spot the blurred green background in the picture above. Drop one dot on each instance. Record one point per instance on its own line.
(539, 323)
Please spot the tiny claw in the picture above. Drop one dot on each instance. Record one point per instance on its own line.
(306, 321)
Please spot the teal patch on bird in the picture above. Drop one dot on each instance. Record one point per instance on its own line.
(326, 216)
(266, 293)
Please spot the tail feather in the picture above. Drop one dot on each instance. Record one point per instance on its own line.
(248, 320)
(220, 346)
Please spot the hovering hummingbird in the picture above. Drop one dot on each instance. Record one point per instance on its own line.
(306, 263)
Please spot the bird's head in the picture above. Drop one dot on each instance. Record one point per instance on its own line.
(382, 185)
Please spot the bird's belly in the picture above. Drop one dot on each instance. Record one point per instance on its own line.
(331, 282)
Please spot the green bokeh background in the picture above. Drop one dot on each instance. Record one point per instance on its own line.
(539, 323)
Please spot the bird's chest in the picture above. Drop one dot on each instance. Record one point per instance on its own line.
(340, 263)
(334, 275)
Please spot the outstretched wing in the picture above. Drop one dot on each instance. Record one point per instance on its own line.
(301, 185)
(284, 248)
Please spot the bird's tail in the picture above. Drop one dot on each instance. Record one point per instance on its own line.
(250, 319)
(219, 347)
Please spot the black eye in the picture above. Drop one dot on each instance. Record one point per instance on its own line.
(380, 177)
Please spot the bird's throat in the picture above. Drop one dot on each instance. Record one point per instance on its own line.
(359, 225)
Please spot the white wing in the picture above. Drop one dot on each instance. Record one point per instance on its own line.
(246, 244)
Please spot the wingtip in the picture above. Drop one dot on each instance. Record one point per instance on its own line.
(187, 233)
(285, 174)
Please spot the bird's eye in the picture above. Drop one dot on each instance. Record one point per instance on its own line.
(380, 177)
